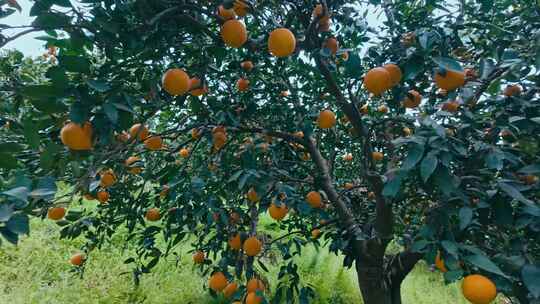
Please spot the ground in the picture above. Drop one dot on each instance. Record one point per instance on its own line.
(37, 271)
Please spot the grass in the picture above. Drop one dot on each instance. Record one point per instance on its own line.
(37, 271)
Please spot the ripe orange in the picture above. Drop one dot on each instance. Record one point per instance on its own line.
(278, 213)
(153, 214)
(450, 106)
(407, 131)
(253, 298)
(142, 134)
(194, 83)
(175, 82)
(395, 73)
(529, 179)
(196, 133)
(131, 160)
(184, 153)
(439, 263)
(315, 233)
(412, 100)
(153, 143)
(252, 195)
(377, 156)
(122, 137)
(230, 289)
(478, 289)
(77, 259)
(512, 90)
(219, 140)
(449, 80)
(242, 84)
(77, 137)
(284, 93)
(89, 197)
(252, 246)
(234, 33)
(217, 281)
(377, 80)
(246, 65)
(281, 42)
(348, 157)
(382, 109)
(327, 119)
(107, 178)
(226, 14)
(364, 109)
(198, 257)
(240, 8)
(255, 284)
(314, 199)
(103, 196)
(332, 44)
(56, 213)
(235, 242)
(164, 191)
(199, 91)
(348, 186)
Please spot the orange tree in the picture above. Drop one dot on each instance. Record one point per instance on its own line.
(188, 120)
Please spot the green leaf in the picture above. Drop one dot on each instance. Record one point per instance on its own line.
(74, 63)
(31, 133)
(514, 193)
(7, 161)
(465, 217)
(20, 193)
(51, 20)
(11, 237)
(530, 169)
(111, 112)
(19, 224)
(98, 85)
(531, 278)
(353, 66)
(448, 64)
(58, 76)
(428, 166)
(483, 262)
(453, 275)
(41, 91)
(6, 210)
(391, 188)
(11, 147)
(450, 247)
(418, 246)
(413, 157)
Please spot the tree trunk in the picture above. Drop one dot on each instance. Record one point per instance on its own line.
(380, 282)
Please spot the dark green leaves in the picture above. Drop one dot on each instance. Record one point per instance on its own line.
(52, 20)
(75, 63)
(19, 224)
(413, 157)
(428, 166)
(531, 277)
(483, 262)
(465, 217)
(514, 193)
(446, 63)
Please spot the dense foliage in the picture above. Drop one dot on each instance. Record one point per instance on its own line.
(444, 161)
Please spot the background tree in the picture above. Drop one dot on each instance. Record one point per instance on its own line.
(193, 118)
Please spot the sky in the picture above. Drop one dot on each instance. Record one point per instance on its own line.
(32, 47)
(26, 44)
